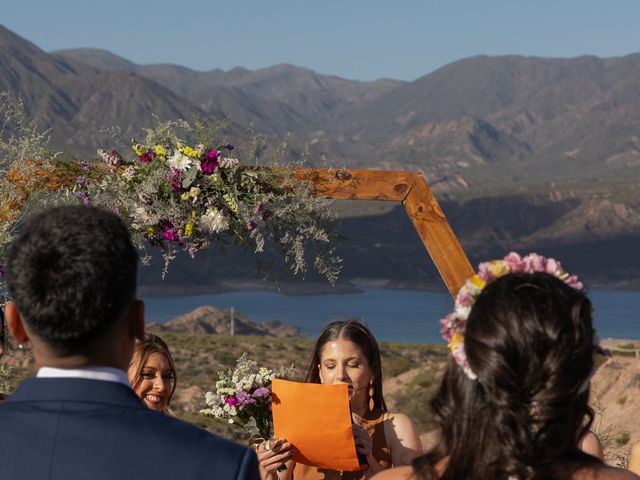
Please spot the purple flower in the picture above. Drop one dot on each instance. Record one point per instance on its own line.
(85, 165)
(210, 162)
(83, 197)
(229, 146)
(147, 157)
(251, 225)
(244, 398)
(81, 181)
(176, 180)
(169, 232)
(261, 392)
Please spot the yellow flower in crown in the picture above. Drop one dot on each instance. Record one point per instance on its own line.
(456, 340)
(498, 268)
(161, 152)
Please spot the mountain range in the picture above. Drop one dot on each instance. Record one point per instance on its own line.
(522, 152)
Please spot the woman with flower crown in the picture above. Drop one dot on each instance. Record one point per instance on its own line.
(513, 402)
(347, 352)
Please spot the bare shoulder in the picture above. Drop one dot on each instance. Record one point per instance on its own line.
(605, 472)
(399, 473)
(400, 421)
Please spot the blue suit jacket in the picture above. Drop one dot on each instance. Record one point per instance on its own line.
(76, 429)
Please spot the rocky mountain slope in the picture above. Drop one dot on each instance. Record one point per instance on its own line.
(210, 320)
(522, 152)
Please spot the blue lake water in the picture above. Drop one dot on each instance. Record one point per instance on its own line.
(392, 315)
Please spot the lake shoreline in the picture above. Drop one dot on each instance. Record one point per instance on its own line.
(302, 288)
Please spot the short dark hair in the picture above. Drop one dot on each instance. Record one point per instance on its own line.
(359, 334)
(71, 272)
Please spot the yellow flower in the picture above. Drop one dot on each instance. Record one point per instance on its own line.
(151, 230)
(194, 192)
(215, 179)
(478, 282)
(185, 196)
(498, 268)
(161, 152)
(138, 149)
(190, 152)
(456, 340)
(230, 201)
(188, 229)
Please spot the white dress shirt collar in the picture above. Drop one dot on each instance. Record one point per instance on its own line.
(106, 374)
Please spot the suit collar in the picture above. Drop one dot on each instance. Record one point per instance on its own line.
(74, 390)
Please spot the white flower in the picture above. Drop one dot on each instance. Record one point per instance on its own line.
(140, 215)
(226, 162)
(129, 172)
(214, 221)
(193, 193)
(179, 161)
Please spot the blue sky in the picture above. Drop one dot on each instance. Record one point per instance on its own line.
(356, 39)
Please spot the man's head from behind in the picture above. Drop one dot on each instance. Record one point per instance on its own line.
(71, 273)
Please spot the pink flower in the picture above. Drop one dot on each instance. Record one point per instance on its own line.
(573, 282)
(465, 297)
(483, 271)
(553, 267)
(232, 401)
(534, 263)
(515, 262)
(147, 157)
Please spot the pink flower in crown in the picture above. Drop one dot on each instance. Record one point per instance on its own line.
(514, 261)
(534, 263)
(465, 298)
(483, 271)
(553, 267)
(446, 327)
(573, 281)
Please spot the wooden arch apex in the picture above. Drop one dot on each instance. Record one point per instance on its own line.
(421, 206)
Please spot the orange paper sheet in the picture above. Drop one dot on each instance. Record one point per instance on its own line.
(316, 420)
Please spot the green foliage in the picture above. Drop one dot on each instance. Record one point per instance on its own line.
(622, 438)
(20, 138)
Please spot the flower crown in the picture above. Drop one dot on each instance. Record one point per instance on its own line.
(452, 327)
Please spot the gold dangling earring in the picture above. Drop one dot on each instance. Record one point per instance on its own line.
(371, 392)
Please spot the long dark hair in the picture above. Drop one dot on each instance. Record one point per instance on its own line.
(529, 339)
(357, 333)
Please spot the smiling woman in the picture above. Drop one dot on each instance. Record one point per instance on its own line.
(152, 373)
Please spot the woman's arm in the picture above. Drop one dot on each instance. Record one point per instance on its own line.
(402, 438)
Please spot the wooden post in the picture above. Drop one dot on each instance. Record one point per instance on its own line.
(437, 236)
(421, 206)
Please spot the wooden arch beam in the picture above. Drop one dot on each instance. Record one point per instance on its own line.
(411, 189)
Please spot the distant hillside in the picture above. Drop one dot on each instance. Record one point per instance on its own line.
(522, 152)
(213, 321)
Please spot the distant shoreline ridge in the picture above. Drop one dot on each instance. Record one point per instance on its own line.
(323, 288)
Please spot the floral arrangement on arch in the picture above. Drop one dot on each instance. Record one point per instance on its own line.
(243, 399)
(180, 189)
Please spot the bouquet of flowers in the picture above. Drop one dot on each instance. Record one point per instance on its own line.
(243, 398)
(183, 188)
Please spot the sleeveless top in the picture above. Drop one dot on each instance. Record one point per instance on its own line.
(373, 424)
